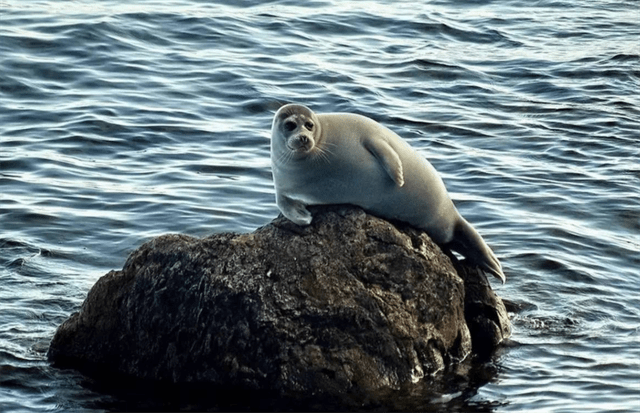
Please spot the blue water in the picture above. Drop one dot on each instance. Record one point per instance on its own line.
(121, 121)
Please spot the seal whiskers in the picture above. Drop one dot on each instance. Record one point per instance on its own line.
(323, 154)
(284, 158)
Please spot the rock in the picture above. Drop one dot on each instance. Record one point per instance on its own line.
(351, 305)
(484, 312)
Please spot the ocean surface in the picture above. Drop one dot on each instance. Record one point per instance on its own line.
(124, 120)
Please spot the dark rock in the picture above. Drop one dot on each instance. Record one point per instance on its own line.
(350, 305)
(484, 311)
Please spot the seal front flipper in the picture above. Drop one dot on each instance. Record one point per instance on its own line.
(387, 157)
(294, 210)
(470, 245)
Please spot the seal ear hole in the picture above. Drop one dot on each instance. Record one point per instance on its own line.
(290, 126)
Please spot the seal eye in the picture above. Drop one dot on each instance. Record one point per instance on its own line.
(309, 125)
(290, 126)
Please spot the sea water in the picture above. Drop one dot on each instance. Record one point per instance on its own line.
(121, 121)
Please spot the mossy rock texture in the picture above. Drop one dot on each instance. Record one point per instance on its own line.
(350, 305)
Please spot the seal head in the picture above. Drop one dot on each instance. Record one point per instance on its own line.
(299, 128)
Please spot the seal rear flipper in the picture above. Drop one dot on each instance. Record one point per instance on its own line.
(467, 242)
(387, 157)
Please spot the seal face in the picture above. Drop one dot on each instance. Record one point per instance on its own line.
(299, 129)
(344, 158)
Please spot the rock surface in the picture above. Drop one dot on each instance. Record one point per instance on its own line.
(350, 305)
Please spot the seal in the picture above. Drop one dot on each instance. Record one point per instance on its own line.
(344, 158)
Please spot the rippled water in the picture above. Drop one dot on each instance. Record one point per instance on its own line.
(120, 121)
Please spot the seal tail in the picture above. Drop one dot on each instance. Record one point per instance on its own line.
(467, 242)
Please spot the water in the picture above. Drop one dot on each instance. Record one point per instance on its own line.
(121, 121)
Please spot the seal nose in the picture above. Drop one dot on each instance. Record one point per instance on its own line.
(304, 139)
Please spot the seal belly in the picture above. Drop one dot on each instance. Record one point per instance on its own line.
(358, 179)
